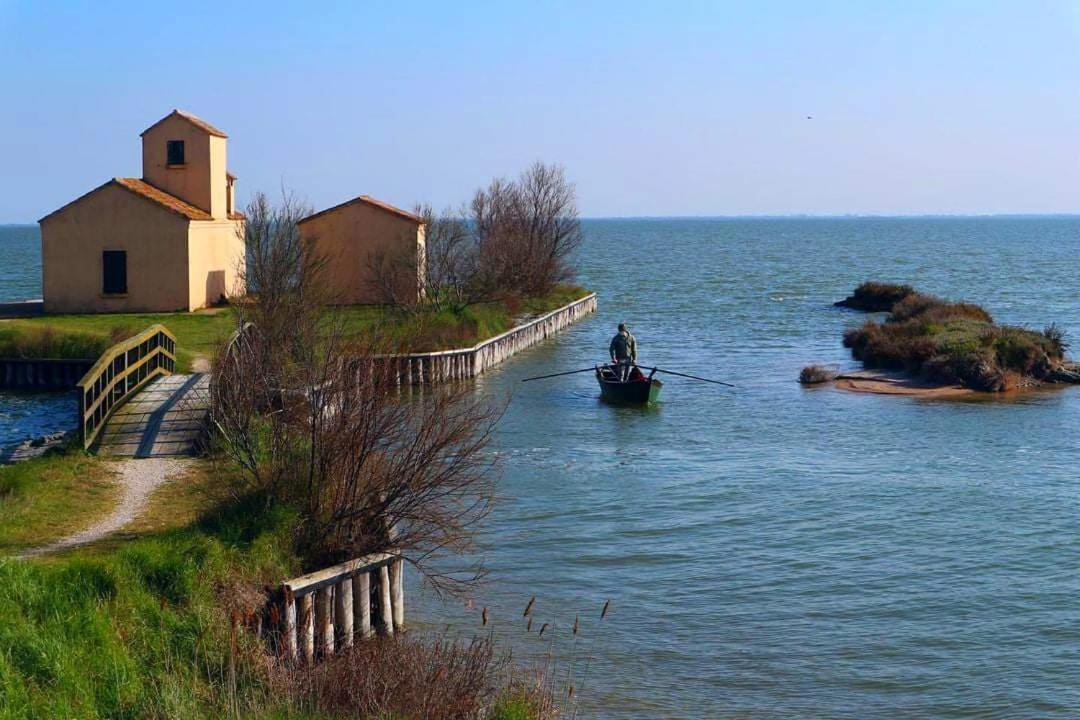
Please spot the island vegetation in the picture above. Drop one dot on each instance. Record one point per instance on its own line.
(951, 343)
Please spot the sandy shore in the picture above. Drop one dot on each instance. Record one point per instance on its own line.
(886, 382)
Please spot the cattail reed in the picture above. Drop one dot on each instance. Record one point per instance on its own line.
(576, 623)
(483, 617)
(542, 629)
(529, 607)
(528, 627)
(603, 613)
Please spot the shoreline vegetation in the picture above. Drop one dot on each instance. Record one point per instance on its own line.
(199, 333)
(930, 346)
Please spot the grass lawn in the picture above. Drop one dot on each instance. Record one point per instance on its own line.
(138, 626)
(199, 333)
(50, 497)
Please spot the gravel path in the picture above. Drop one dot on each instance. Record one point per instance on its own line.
(139, 478)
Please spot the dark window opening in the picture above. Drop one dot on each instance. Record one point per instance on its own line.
(175, 150)
(114, 272)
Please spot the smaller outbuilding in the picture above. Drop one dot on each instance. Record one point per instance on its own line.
(374, 252)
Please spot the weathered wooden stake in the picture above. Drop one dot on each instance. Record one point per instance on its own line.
(386, 616)
(324, 624)
(397, 580)
(290, 627)
(343, 613)
(306, 626)
(361, 584)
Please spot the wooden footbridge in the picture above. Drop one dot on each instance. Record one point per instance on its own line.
(132, 404)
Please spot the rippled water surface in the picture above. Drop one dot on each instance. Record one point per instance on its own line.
(20, 262)
(772, 551)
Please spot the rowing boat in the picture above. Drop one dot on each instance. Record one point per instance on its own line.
(627, 385)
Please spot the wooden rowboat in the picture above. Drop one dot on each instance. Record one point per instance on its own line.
(627, 386)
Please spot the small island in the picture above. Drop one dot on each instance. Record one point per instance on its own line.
(930, 346)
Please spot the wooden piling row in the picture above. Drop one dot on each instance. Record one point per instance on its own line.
(453, 365)
(329, 610)
(41, 373)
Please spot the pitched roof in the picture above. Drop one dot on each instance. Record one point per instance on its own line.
(196, 121)
(162, 198)
(147, 191)
(368, 200)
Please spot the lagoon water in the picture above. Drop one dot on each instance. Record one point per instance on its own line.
(772, 551)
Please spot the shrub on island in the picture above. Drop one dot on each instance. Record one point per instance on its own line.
(876, 297)
(957, 342)
(816, 375)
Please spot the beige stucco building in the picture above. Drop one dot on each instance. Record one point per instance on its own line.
(356, 239)
(171, 240)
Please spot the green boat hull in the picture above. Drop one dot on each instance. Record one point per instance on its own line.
(641, 391)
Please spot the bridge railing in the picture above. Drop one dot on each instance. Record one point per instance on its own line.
(119, 372)
(325, 610)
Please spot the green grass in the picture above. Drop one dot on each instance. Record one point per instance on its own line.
(140, 630)
(198, 334)
(429, 331)
(50, 497)
(138, 627)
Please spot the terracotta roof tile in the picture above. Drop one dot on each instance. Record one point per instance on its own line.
(167, 201)
(196, 121)
(368, 200)
(156, 195)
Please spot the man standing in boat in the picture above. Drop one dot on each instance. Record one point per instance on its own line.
(623, 349)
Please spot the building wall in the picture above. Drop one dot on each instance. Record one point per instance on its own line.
(113, 218)
(201, 180)
(349, 236)
(216, 260)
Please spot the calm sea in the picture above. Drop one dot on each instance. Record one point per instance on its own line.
(772, 551)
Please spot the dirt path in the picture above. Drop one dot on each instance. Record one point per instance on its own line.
(138, 479)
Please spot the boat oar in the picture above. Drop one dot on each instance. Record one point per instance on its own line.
(693, 377)
(572, 372)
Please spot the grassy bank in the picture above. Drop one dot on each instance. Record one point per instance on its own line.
(199, 333)
(50, 497)
(956, 342)
(139, 626)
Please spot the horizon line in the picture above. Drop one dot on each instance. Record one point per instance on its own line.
(785, 216)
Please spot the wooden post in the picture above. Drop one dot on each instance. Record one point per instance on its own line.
(289, 631)
(386, 616)
(324, 625)
(361, 587)
(343, 613)
(307, 628)
(397, 580)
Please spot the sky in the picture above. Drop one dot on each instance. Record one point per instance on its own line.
(654, 108)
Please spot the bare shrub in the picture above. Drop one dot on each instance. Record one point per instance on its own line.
(315, 418)
(413, 677)
(816, 374)
(526, 231)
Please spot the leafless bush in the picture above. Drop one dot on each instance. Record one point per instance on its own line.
(816, 374)
(526, 231)
(316, 419)
(515, 238)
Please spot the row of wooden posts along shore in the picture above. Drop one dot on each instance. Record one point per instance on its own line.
(449, 365)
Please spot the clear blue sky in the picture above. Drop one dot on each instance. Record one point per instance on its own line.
(655, 108)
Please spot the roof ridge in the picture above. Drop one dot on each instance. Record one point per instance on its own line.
(191, 118)
(368, 200)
